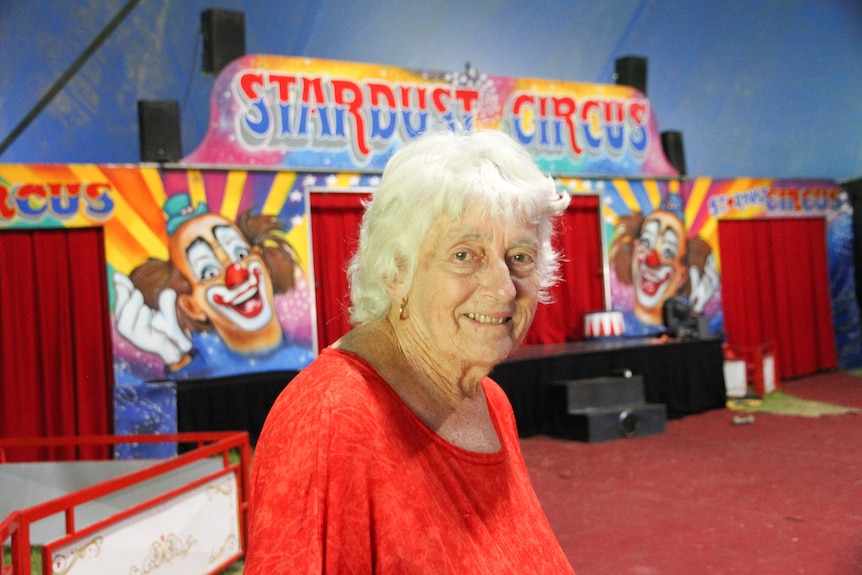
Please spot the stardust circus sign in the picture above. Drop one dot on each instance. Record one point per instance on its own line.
(317, 114)
(786, 198)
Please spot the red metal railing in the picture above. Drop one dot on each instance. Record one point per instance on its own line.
(209, 444)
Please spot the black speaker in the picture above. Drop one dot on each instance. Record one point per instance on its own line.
(224, 38)
(671, 143)
(632, 71)
(159, 127)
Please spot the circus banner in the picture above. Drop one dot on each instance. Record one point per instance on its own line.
(653, 254)
(209, 273)
(710, 200)
(662, 242)
(301, 113)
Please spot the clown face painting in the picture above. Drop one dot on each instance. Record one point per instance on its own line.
(231, 287)
(218, 304)
(653, 258)
(659, 268)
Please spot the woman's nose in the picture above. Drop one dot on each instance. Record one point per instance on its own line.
(499, 279)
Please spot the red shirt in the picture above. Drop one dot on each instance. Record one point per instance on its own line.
(347, 479)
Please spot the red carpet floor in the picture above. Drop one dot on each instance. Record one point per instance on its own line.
(780, 496)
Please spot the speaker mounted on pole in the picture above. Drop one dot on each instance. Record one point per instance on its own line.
(159, 129)
(631, 71)
(671, 143)
(224, 38)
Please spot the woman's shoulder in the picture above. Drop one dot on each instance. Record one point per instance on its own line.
(495, 395)
(333, 371)
(334, 359)
(337, 390)
(499, 406)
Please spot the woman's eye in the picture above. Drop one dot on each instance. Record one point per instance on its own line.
(462, 256)
(522, 264)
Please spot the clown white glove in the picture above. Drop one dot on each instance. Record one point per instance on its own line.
(703, 287)
(155, 331)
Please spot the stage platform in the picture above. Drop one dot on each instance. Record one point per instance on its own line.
(686, 376)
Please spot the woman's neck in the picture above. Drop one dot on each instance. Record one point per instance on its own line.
(453, 407)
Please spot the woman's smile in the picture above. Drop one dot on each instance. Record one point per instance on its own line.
(487, 319)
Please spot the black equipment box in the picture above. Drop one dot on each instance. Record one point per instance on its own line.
(603, 408)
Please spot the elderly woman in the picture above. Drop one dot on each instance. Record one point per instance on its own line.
(394, 452)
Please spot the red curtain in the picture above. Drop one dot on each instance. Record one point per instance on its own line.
(581, 289)
(335, 219)
(56, 374)
(775, 287)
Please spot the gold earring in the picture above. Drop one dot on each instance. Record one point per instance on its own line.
(401, 309)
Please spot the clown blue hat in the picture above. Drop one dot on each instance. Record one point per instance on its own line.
(672, 203)
(178, 209)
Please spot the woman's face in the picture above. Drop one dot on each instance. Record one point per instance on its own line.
(475, 290)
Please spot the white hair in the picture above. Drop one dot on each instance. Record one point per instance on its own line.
(441, 175)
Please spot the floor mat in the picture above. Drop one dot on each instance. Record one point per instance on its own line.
(781, 403)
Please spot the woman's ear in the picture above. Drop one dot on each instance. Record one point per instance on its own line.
(398, 286)
(398, 291)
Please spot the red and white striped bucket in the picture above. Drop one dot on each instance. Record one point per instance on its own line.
(604, 324)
